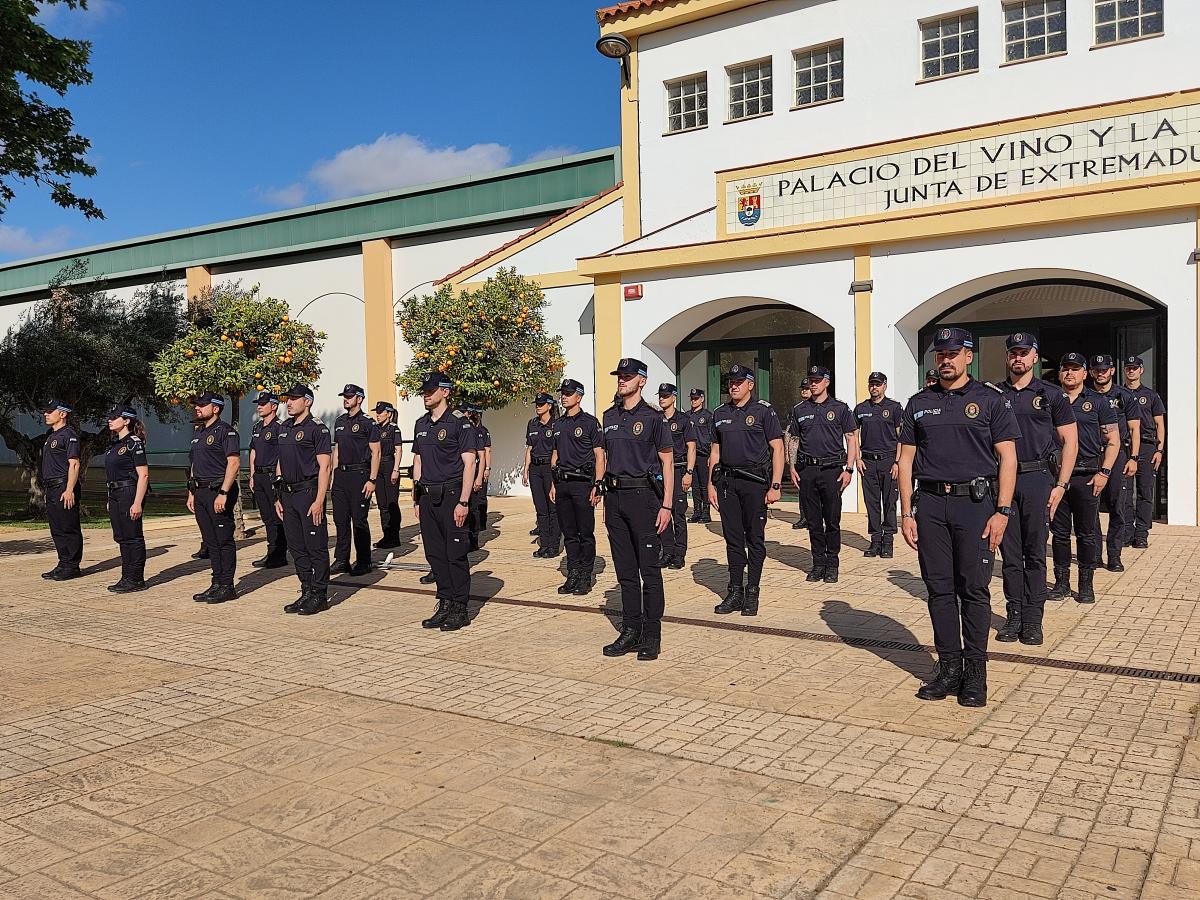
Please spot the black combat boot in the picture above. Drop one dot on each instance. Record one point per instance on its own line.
(361, 568)
(973, 690)
(568, 586)
(734, 600)
(873, 550)
(119, 587)
(649, 649)
(1086, 593)
(129, 584)
(628, 641)
(440, 612)
(428, 578)
(66, 573)
(49, 576)
(1011, 629)
(885, 548)
(707, 512)
(817, 574)
(339, 568)
(831, 575)
(799, 525)
(313, 604)
(583, 582)
(203, 596)
(750, 606)
(223, 594)
(202, 553)
(1031, 633)
(457, 617)
(946, 678)
(294, 606)
(1061, 588)
(697, 515)
(1114, 562)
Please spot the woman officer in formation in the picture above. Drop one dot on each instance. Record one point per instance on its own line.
(128, 477)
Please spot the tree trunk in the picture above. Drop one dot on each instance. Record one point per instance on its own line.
(29, 452)
(239, 515)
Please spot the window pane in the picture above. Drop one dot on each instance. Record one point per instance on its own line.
(1057, 43)
(1035, 27)
(1127, 8)
(1106, 12)
(1014, 52)
(804, 96)
(821, 92)
(1152, 24)
(930, 70)
(1106, 34)
(971, 61)
(1127, 29)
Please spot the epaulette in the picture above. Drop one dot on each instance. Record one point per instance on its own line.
(456, 413)
(996, 388)
(764, 402)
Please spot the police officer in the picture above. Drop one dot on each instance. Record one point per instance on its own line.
(303, 472)
(1099, 446)
(745, 467)
(202, 553)
(1047, 426)
(958, 439)
(1118, 493)
(264, 456)
(477, 517)
(637, 509)
(824, 434)
(578, 467)
(536, 475)
(387, 485)
(1153, 436)
(60, 480)
(683, 439)
(213, 492)
(801, 523)
(128, 477)
(702, 421)
(444, 459)
(931, 377)
(878, 420)
(356, 461)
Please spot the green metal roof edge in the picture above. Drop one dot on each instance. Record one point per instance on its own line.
(362, 200)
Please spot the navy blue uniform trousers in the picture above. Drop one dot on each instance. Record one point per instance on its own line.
(629, 517)
(217, 528)
(127, 533)
(1080, 508)
(309, 543)
(821, 497)
(350, 516)
(743, 508)
(540, 479)
(446, 543)
(1023, 546)
(675, 538)
(577, 519)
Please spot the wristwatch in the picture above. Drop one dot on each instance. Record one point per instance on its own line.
(1004, 510)
(1062, 484)
(1105, 471)
(849, 469)
(775, 485)
(222, 492)
(689, 471)
(464, 503)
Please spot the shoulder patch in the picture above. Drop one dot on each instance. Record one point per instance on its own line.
(764, 403)
(457, 414)
(996, 388)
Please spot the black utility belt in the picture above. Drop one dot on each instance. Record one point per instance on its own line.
(264, 470)
(53, 482)
(539, 460)
(1087, 466)
(823, 461)
(754, 475)
(564, 474)
(123, 483)
(298, 487)
(1034, 465)
(681, 465)
(627, 482)
(871, 454)
(703, 454)
(437, 490)
(977, 488)
(355, 467)
(195, 484)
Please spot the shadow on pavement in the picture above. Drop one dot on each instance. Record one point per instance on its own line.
(25, 545)
(908, 582)
(849, 624)
(343, 587)
(799, 558)
(115, 562)
(711, 574)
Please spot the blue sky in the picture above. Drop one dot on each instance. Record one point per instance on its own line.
(210, 110)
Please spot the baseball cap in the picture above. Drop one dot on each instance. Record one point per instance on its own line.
(740, 373)
(1102, 361)
(570, 386)
(266, 397)
(1020, 340)
(542, 399)
(931, 373)
(433, 381)
(953, 339)
(384, 406)
(695, 393)
(1133, 362)
(1073, 361)
(876, 378)
(297, 392)
(56, 405)
(353, 390)
(816, 373)
(208, 397)
(666, 389)
(629, 366)
(123, 410)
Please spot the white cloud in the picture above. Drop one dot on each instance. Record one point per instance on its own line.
(551, 153)
(97, 11)
(398, 160)
(289, 195)
(18, 242)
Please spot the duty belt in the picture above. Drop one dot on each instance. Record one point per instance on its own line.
(264, 470)
(53, 482)
(124, 483)
(540, 460)
(703, 452)
(564, 474)
(296, 487)
(823, 461)
(681, 465)
(948, 488)
(626, 482)
(1087, 466)
(355, 467)
(1034, 465)
(744, 474)
(195, 484)
(871, 454)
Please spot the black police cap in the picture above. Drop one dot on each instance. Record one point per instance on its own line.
(353, 390)
(695, 393)
(1102, 361)
(817, 373)
(630, 366)
(542, 399)
(297, 392)
(931, 373)
(570, 386)
(56, 405)
(266, 397)
(1073, 361)
(208, 397)
(384, 406)
(953, 339)
(1022, 340)
(122, 411)
(666, 389)
(740, 373)
(433, 381)
(1133, 362)
(877, 378)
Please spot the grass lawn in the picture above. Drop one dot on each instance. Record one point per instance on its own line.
(12, 508)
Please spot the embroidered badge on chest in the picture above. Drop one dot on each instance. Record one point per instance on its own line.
(1038, 402)
(299, 435)
(887, 414)
(638, 428)
(1142, 400)
(829, 416)
(1087, 406)
(121, 452)
(578, 432)
(971, 410)
(441, 435)
(211, 439)
(355, 428)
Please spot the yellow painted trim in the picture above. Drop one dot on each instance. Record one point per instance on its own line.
(198, 278)
(545, 281)
(1127, 198)
(606, 341)
(537, 235)
(379, 320)
(862, 324)
(631, 162)
(925, 141)
(647, 21)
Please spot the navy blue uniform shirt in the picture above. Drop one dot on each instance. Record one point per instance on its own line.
(955, 432)
(122, 458)
(211, 447)
(702, 419)
(878, 423)
(483, 437)
(822, 427)
(633, 439)
(300, 443)
(389, 440)
(354, 436)
(1122, 400)
(539, 437)
(683, 430)
(744, 433)
(1040, 408)
(1149, 406)
(575, 437)
(441, 443)
(1091, 411)
(60, 446)
(264, 441)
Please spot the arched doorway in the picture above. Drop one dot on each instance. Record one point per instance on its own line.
(1065, 315)
(779, 341)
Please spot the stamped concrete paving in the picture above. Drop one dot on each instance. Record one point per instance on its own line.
(154, 747)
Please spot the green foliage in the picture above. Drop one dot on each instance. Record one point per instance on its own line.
(238, 342)
(492, 342)
(37, 141)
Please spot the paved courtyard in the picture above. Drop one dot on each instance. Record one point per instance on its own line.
(155, 747)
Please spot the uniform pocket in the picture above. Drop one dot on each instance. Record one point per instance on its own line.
(649, 547)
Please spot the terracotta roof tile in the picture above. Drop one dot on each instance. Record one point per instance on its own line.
(619, 9)
(521, 237)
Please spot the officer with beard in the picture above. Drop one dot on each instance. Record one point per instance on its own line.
(878, 425)
(1118, 493)
(1153, 441)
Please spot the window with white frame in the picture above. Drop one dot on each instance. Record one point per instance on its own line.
(687, 103)
(1127, 20)
(819, 74)
(1034, 28)
(950, 45)
(749, 89)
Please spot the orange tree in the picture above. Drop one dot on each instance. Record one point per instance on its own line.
(491, 342)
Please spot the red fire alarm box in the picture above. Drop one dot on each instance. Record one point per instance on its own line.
(633, 292)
